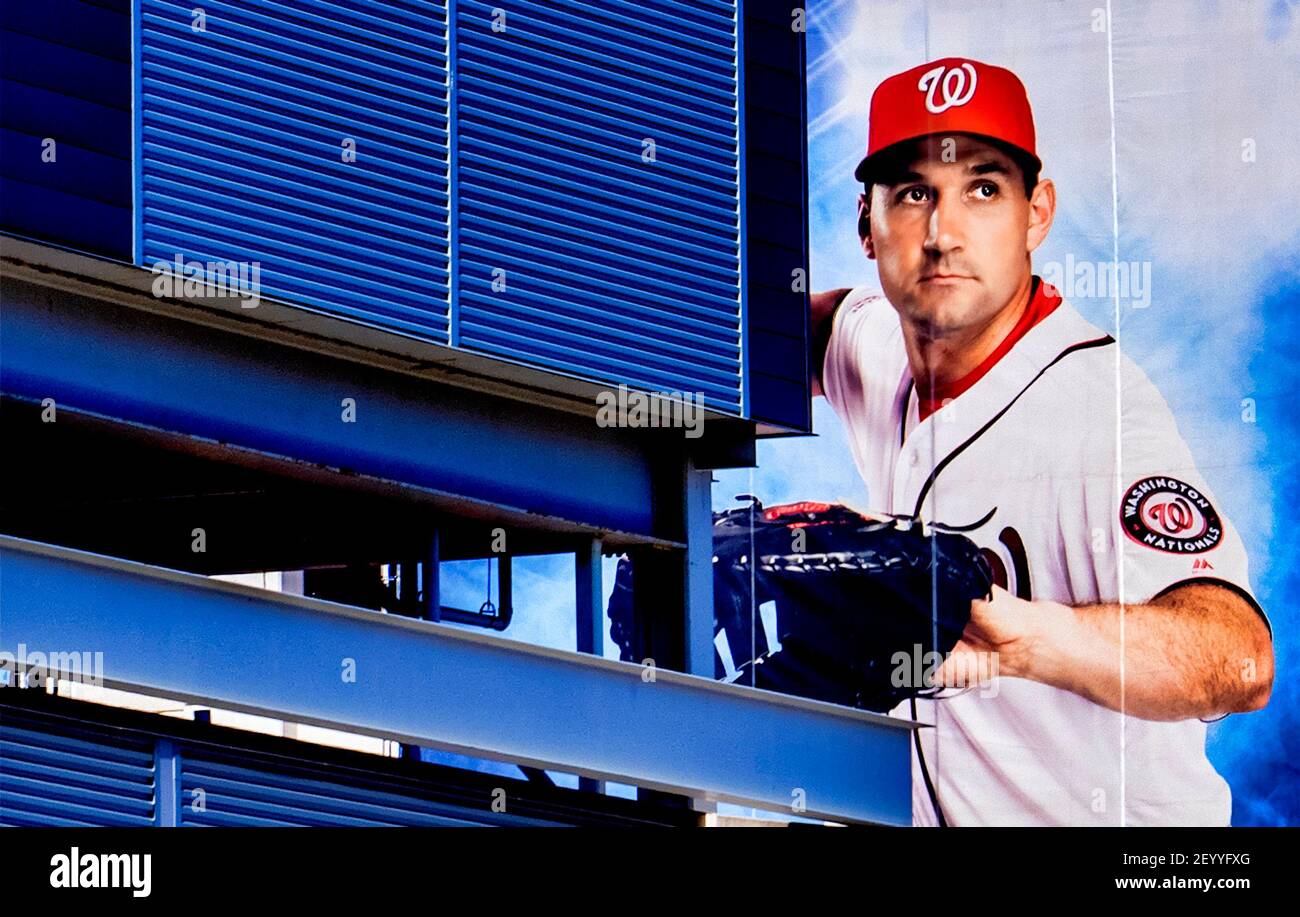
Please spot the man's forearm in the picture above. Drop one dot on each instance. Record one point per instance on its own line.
(1176, 662)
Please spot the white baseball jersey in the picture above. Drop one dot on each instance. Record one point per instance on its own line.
(1073, 505)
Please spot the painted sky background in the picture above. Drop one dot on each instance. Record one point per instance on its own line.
(1193, 81)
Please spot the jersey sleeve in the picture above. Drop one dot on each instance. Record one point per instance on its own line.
(843, 378)
(1170, 526)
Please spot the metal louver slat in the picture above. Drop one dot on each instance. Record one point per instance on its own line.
(241, 129)
(65, 75)
(234, 795)
(67, 775)
(574, 250)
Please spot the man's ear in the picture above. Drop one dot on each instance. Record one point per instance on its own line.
(1042, 210)
(864, 226)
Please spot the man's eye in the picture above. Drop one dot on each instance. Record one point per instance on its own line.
(986, 189)
(914, 195)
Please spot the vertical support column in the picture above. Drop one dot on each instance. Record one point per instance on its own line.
(699, 570)
(505, 586)
(432, 571)
(411, 594)
(431, 609)
(591, 618)
(657, 607)
(698, 585)
(167, 784)
(658, 632)
(672, 601)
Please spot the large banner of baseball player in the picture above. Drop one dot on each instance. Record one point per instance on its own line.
(1054, 281)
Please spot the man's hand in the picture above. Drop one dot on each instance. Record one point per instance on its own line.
(1005, 636)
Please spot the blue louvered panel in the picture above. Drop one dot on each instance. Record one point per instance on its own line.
(71, 763)
(615, 269)
(241, 141)
(256, 793)
(65, 76)
(54, 774)
(776, 222)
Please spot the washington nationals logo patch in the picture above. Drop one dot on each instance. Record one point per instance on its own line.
(1168, 515)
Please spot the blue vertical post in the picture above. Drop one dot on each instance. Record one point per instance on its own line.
(699, 571)
(505, 586)
(432, 580)
(432, 609)
(590, 618)
(698, 599)
(167, 784)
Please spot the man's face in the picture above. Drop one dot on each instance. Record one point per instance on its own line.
(951, 230)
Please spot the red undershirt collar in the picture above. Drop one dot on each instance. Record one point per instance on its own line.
(1042, 302)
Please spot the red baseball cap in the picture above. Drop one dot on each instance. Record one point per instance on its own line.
(947, 96)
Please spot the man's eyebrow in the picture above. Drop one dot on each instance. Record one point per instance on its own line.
(900, 178)
(989, 168)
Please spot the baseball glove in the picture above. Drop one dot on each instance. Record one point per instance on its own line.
(847, 594)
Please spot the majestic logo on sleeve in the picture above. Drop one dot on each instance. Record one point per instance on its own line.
(957, 86)
(1168, 515)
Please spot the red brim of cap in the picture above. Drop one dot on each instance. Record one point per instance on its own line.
(863, 172)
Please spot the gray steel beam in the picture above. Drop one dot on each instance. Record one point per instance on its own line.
(210, 642)
(277, 403)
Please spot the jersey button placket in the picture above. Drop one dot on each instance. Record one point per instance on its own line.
(911, 464)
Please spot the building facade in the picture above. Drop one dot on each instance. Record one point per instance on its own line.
(339, 293)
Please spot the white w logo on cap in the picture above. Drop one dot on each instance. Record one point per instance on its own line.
(953, 83)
